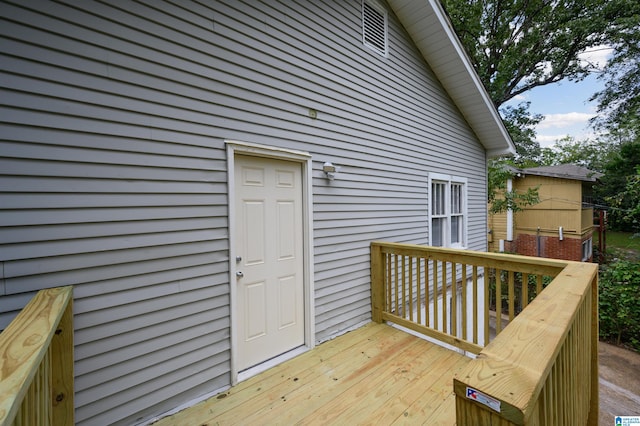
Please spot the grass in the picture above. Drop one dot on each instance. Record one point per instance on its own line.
(623, 240)
(622, 244)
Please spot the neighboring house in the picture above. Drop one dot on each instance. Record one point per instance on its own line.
(167, 159)
(560, 226)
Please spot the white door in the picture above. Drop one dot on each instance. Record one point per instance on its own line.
(269, 258)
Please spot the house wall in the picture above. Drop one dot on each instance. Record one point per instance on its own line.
(550, 246)
(587, 219)
(113, 172)
(536, 230)
(560, 205)
(497, 223)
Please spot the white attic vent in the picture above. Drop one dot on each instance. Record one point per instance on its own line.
(374, 27)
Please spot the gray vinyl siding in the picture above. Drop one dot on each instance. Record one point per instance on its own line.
(113, 172)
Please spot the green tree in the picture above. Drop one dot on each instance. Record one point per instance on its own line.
(516, 45)
(501, 200)
(619, 303)
(521, 126)
(619, 191)
(626, 204)
(619, 101)
(590, 153)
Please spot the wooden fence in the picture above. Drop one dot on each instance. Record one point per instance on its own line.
(36, 362)
(541, 369)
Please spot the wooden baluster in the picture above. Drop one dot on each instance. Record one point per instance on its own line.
(445, 323)
(538, 285)
(411, 288)
(454, 300)
(427, 291)
(403, 296)
(435, 294)
(387, 308)
(396, 309)
(464, 302)
(487, 336)
(418, 289)
(498, 301)
(512, 296)
(47, 415)
(475, 319)
(525, 290)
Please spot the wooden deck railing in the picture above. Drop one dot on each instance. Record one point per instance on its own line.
(541, 369)
(36, 362)
(460, 297)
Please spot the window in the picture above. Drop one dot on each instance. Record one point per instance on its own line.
(587, 249)
(457, 214)
(374, 27)
(447, 211)
(438, 213)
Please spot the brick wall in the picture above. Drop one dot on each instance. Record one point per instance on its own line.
(550, 247)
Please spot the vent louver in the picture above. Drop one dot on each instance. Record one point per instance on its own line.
(374, 28)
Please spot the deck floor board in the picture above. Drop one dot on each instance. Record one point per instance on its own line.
(374, 375)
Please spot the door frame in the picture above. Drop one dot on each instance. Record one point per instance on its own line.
(304, 159)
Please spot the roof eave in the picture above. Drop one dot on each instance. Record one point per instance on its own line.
(560, 176)
(501, 152)
(432, 32)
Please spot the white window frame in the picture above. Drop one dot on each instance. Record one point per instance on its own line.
(449, 182)
(385, 15)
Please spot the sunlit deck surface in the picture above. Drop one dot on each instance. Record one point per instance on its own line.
(374, 375)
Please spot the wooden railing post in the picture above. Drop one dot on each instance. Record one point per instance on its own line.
(62, 370)
(377, 283)
(36, 362)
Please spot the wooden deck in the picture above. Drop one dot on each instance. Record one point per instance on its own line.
(541, 369)
(374, 375)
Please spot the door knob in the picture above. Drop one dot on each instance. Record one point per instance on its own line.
(239, 274)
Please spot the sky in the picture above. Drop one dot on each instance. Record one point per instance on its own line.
(565, 105)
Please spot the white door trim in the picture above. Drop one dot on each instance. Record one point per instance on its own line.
(245, 148)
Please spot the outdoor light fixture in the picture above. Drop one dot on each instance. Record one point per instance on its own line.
(329, 170)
